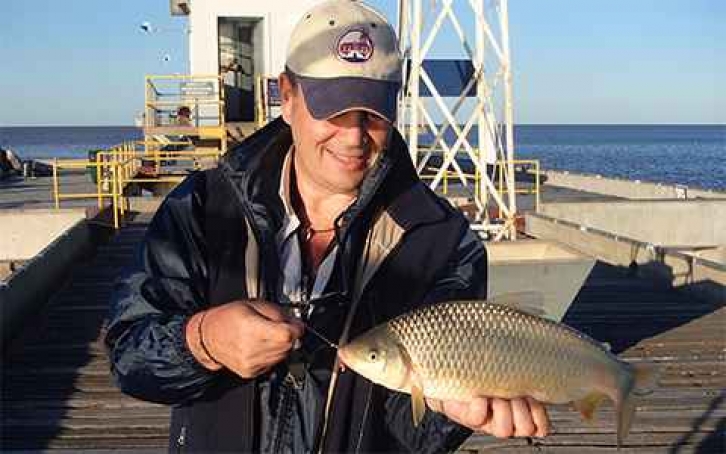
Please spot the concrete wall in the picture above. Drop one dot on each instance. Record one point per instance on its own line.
(660, 222)
(278, 19)
(701, 276)
(29, 288)
(24, 233)
(630, 189)
(546, 267)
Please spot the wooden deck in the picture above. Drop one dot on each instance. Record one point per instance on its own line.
(57, 392)
(56, 388)
(19, 193)
(640, 320)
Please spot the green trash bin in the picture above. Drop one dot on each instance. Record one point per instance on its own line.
(91, 170)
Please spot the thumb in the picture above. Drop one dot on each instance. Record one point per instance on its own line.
(274, 313)
(270, 311)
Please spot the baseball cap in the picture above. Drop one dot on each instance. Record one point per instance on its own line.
(345, 56)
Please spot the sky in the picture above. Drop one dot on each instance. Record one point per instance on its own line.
(82, 62)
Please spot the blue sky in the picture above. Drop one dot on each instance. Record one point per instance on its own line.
(82, 62)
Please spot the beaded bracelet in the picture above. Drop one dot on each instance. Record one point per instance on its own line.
(201, 340)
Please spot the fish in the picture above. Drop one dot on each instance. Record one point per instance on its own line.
(503, 347)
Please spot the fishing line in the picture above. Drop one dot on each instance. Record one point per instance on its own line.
(323, 338)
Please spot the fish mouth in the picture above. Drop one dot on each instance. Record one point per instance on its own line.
(342, 353)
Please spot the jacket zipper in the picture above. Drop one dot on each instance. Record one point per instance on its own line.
(181, 439)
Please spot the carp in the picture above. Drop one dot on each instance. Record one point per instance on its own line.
(458, 350)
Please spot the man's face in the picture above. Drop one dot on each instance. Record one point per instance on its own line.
(334, 155)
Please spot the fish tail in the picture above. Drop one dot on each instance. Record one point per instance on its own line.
(626, 410)
(641, 381)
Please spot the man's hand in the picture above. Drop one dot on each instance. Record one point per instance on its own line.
(247, 337)
(503, 418)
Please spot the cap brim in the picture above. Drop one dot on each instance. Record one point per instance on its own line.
(327, 98)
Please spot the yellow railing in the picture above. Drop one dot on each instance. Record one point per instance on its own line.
(499, 173)
(120, 166)
(523, 164)
(60, 164)
(201, 94)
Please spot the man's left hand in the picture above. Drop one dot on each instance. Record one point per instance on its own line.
(503, 418)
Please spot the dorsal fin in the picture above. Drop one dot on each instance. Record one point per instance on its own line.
(529, 302)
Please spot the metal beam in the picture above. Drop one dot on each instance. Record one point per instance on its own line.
(486, 43)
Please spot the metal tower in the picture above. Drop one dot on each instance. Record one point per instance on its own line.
(483, 171)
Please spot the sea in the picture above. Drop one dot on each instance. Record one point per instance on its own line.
(691, 155)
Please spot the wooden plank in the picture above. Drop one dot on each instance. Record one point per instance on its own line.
(706, 441)
(58, 392)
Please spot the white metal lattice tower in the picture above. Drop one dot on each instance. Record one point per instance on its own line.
(484, 170)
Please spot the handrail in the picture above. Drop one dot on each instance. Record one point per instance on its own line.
(182, 76)
(499, 169)
(59, 164)
(201, 95)
(119, 167)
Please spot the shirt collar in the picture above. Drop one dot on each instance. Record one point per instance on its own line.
(284, 189)
(290, 222)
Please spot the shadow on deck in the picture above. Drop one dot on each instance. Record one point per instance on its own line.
(56, 388)
(642, 320)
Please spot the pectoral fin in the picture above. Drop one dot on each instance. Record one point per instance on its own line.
(417, 402)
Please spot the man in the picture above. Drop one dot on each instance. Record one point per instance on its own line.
(184, 116)
(315, 227)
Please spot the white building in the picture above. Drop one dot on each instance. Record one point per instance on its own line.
(239, 39)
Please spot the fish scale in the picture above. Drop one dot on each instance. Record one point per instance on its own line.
(441, 337)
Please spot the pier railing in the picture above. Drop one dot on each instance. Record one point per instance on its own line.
(148, 165)
(135, 164)
(526, 171)
(185, 105)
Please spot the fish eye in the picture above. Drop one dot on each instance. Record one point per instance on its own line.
(373, 355)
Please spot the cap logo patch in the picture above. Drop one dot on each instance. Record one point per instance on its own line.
(355, 46)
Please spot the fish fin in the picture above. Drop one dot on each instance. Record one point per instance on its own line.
(625, 410)
(529, 302)
(587, 405)
(646, 379)
(418, 402)
(643, 379)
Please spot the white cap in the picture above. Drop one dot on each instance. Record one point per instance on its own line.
(345, 56)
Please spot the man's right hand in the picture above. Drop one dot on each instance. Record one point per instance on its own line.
(246, 337)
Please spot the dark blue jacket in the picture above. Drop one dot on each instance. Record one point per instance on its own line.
(212, 241)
